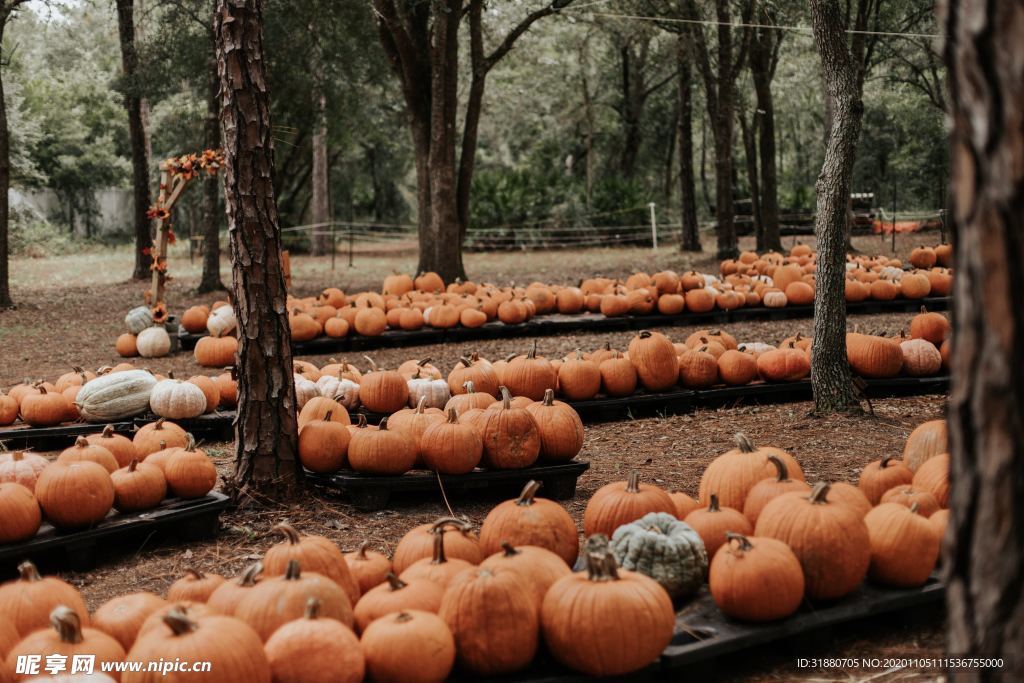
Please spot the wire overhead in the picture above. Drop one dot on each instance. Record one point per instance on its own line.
(771, 27)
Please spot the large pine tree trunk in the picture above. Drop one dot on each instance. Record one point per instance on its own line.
(687, 182)
(211, 213)
(984, 556)
(5, 179)
(766, 147)
(266, 451)
(137, 138)
(830, 371)
(748, 131)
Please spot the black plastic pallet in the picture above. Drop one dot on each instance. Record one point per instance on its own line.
(703, 633)
(556, 324)
(370, 492)
(77, 550)
(21, 436)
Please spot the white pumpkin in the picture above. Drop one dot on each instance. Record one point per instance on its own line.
(177, 400)
(342, 390)
(891, 273)
(756, 348)
(304, 390)
(153, 342)
(222, 321)
(138, 319)
(435, 391)
(115, 396)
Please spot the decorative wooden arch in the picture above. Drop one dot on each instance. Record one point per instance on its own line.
(175, 175)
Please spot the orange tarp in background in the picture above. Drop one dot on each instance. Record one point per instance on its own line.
(903, 226)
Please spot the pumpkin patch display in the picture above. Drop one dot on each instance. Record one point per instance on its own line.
(660, 546)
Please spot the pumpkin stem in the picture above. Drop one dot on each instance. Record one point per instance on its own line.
(290, 533)
(293, 572)
(579, 354)
(549, 395)
(81, 442)
(644, 334)
(633, 482)
(403, 617)
(361, 421)
(713, 506)
(439, 556)
(328, 415)
(133, 465)
(28, 572)
(744, 443)
(819, 492)
(532, 353)
(423, 363)
(460, 524)
(453, 417)
(744, 542)
(108, 432)
(780, 467)
(913, 507)
(361, 550)
(509, 549)
(195, 573)
(250, 575)
(312, 609)
(422, 403)
(465, 361)
(177, 620)
(68, 625)
(190, 445)
(383, 426)
(509, 357)
(601, 565)
(885, 462)
(159, 424)
(506, 398)
(373, 366)
(529, 491)
(395, 583)
(924, 310)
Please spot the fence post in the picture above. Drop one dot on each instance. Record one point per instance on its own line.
(654, 226)
(334, 246)
(350, 237)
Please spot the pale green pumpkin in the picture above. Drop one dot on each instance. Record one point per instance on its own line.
(660, 546)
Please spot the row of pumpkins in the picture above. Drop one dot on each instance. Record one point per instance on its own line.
(652, 362)
(752, 263)
(115, 393)
(100, 473)
(486, 601)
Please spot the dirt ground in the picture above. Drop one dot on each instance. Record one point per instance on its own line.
(70, 311)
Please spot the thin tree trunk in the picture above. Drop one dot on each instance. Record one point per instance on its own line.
(5, 176)
(748, 131)
(588, 118)
(137, 139)
(211, 212)
(762, 72)
(321, 210)
(687, 184)
(830, 372)
(724, 212)
(266, 453)
(670, 159)
(984, 550)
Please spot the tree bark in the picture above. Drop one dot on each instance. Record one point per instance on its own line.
(320, 208)
(266, 456)
(764, 52)
(6, 8)
(748, 131)
(687, 183)
(210, 281)
(831, 379)
(137, 138)
(984, 551)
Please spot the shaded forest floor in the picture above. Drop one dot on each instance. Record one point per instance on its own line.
(71, 308)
